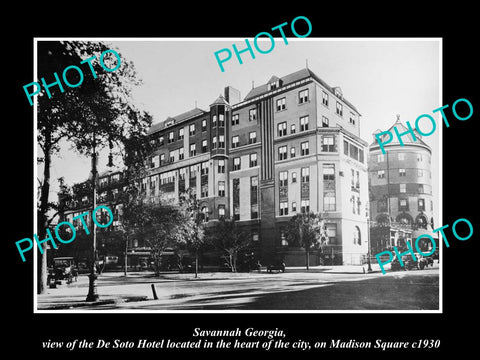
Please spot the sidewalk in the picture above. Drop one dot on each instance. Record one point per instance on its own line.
(115, 288)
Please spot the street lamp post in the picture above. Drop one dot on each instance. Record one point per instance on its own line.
(92, 286)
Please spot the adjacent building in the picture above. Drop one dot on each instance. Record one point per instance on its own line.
(401, 200)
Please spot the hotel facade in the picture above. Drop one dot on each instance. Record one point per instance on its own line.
(290, 145)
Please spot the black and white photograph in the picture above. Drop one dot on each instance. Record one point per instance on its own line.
(225, 192)
(212, 182)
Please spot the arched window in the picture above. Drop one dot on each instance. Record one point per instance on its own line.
(405, 219)
(357, 238)
(382, 219)
(421, 221)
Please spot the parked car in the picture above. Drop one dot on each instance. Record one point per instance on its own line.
(276, 265)
(408, 263)
(63, 268)
(423, 261)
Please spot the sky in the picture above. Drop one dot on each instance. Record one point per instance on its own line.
(380, 77)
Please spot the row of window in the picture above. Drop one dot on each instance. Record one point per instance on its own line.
(401, 157)
(304, 207)
(353, 151)
(303, 122)
(282, 151)
(403, 172)
(252, 139)
(403, 205)
(237, 162)
(283, 176)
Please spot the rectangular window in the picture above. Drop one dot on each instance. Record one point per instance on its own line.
(324, 98)
(403, 188)
(204, 168)
(303, 96)
(221, 211)
(193, 149)
(221, 141)
(253, 159)
(214, 120)
(339, 109)
(221, 120)
(204, 191)
(380, 158)
(421, 205)
(292, 129)
(329, 202)
(193, 171)
(419, 172)
(171, 137)
(353, 152)
(252, 114)
(360, 155)
(235, 119)
(381, 174)
(305, 172)
(236, 164)
(283, 208)
(401, 156)
(204, 146)
(328, 144)
(282, 153)
(234, 142)
(352, 118)
(214, 142)
(221, 166)
(191, 129)
(182, 172)
(282, 129)
(180, 134)
(172, 156)
(281, 104)
(254, 197)
(328, 172)
(221, 188)
(305, 206)
(419, 157)
(283, 175)
(161, 141)
(162, 159)
(294, 206)
(204, 125)
(403, 204)
(304, 123)
(325, 122)
(304, 148)
(252, 137)
(294, 177)
(346, 145)
(401, 172)
(292, 152)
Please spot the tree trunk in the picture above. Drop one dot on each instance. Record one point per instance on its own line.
(42, 216)
(307, 253)
(125, 257)
(196, 264)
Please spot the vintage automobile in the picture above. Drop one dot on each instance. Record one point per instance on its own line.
(63, 268)
(276, 265)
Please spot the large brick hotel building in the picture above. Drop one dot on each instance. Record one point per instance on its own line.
(291, 145)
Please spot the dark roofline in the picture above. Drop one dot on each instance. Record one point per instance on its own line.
(291, 78)
(180, 118)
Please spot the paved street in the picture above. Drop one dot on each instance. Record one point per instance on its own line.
(320, 288)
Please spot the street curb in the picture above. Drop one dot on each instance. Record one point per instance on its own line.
(92, 303)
